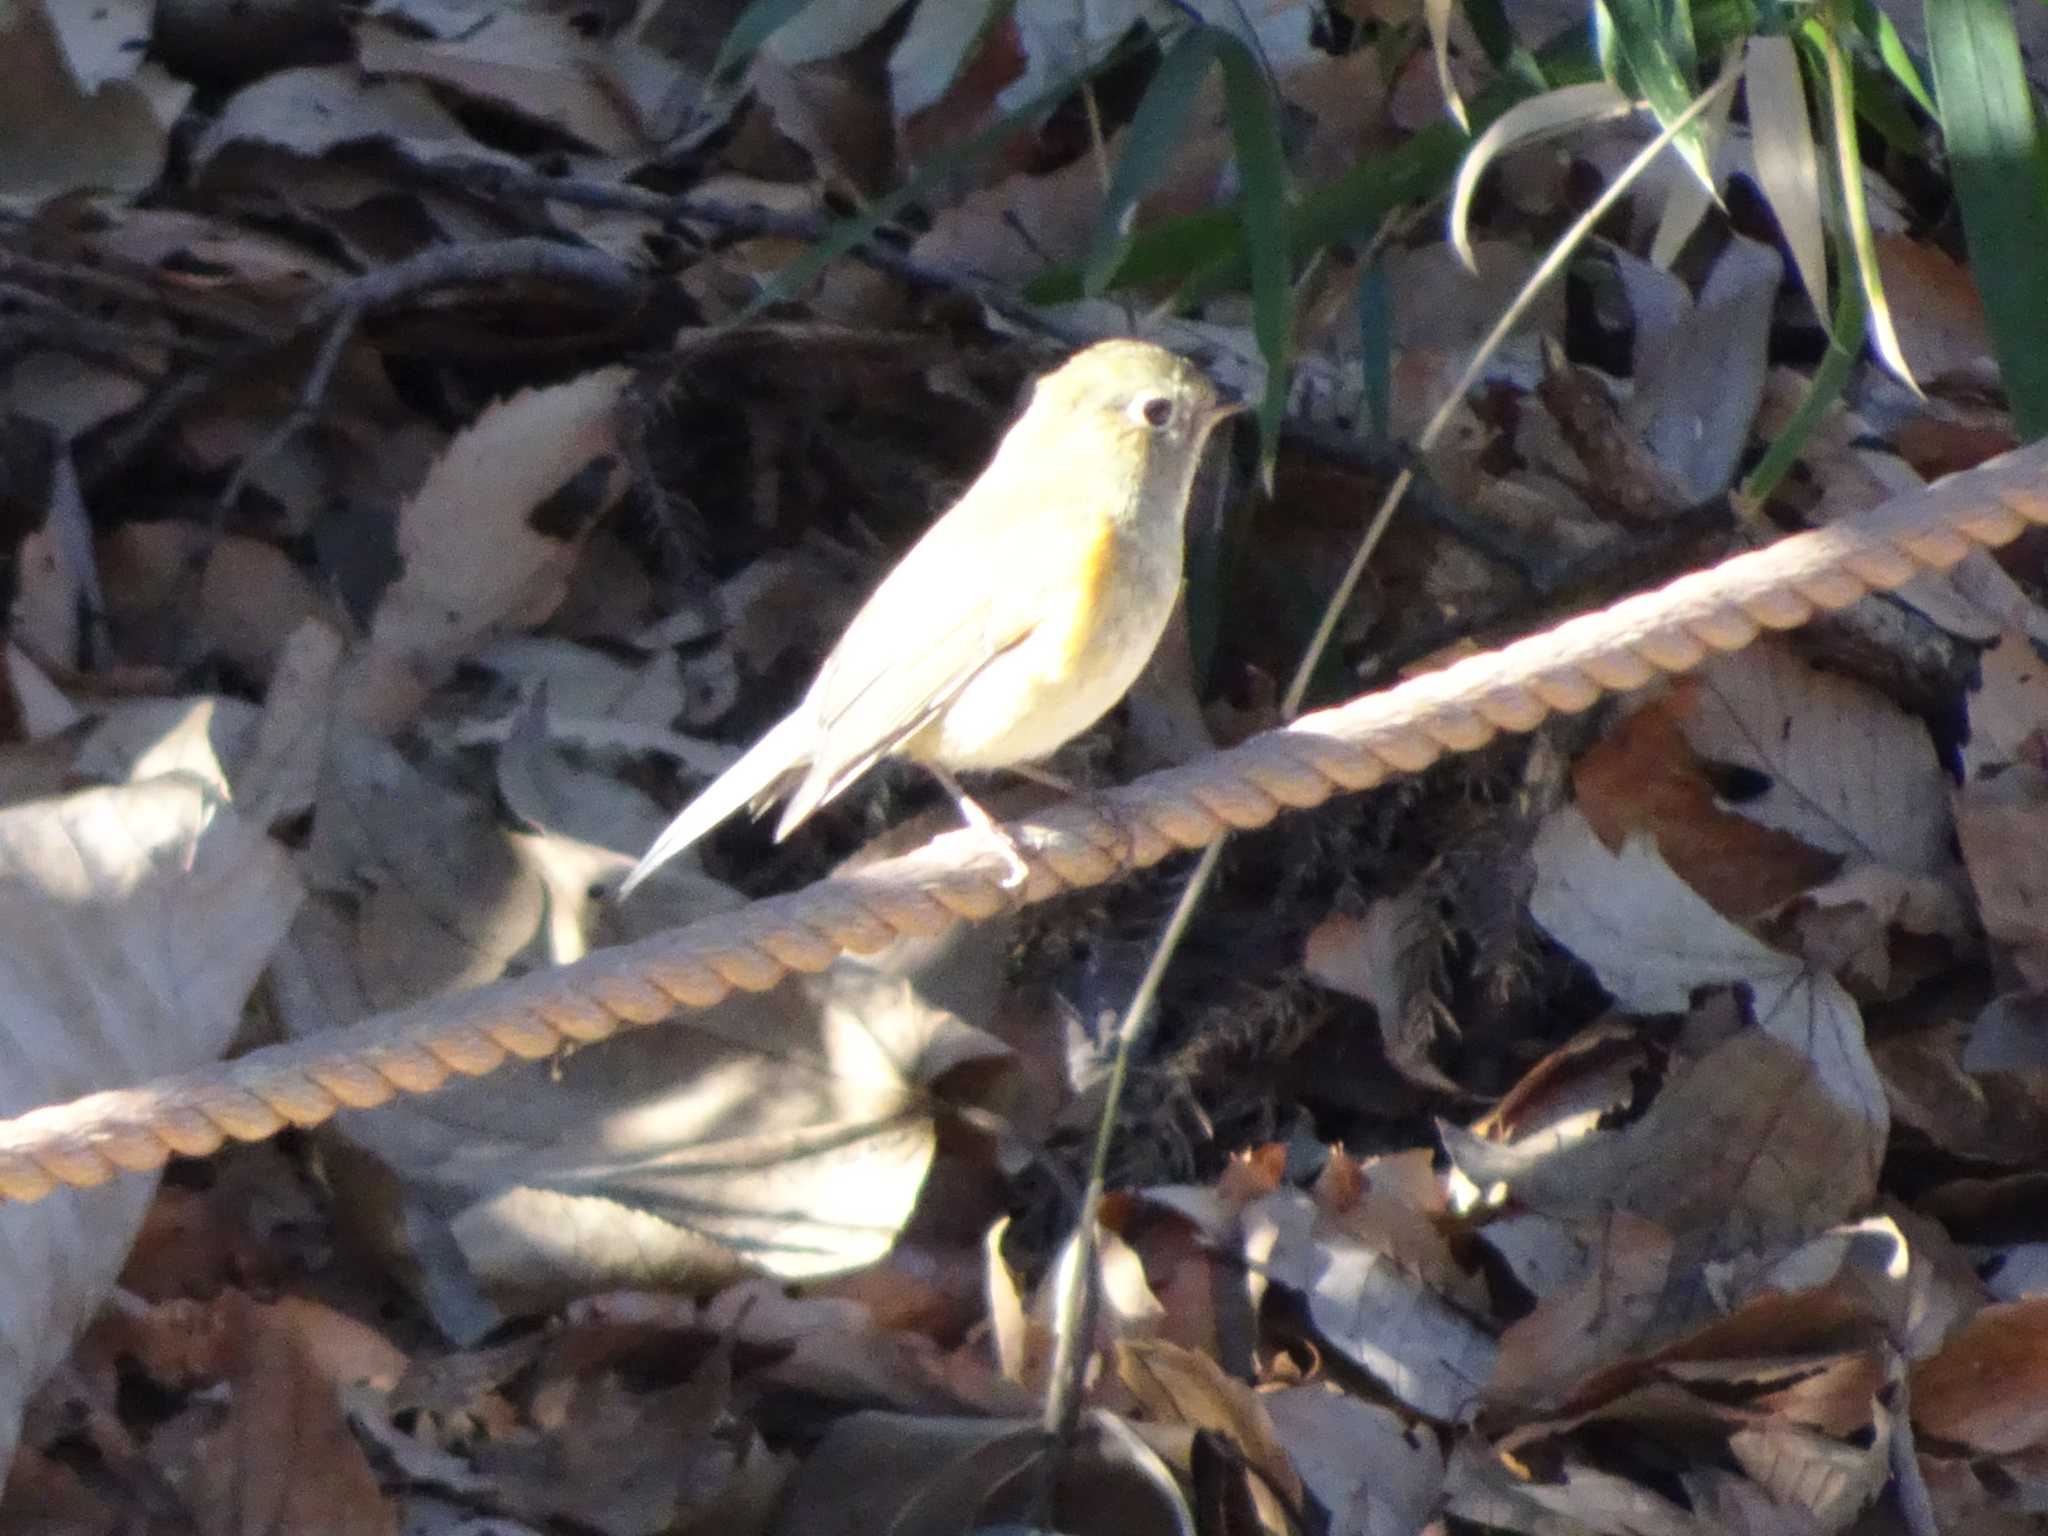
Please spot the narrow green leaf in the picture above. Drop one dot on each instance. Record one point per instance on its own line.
(1996, 161)
(1826, 388)
(1376, 347)
(1436, 15)
(1265, 212)
(1891, 48)
(1686, 204)
(1489, 22)
(1722, 26)
(1841, 121)
(756, 24)
(1651, 56)
(1154, 137)
(855, 229)
(1881, 105)
(1349, 208)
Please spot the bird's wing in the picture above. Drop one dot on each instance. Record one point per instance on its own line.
(976, 586)
(768, 767)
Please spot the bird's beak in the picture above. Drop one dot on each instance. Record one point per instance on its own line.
(1228, 404)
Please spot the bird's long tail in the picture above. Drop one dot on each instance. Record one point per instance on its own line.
(758, 777)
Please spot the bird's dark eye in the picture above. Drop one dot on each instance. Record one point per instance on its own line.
(1157, 410)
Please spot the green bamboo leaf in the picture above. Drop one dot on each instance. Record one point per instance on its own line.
(1652, 60)
(1489, 22)
(1687, 202)
(1722, 26)
(1155, 136)
(1826, 388)
(1349, 208)
(756, 24)
(1884, 337)
(856, 229)
(1996, 160)
(1376, 348)
(1266, 208)
(1891, 48)
(1436, 15)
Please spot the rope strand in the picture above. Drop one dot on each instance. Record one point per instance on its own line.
(1068, 847)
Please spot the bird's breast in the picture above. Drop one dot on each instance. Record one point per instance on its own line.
(1081, 654)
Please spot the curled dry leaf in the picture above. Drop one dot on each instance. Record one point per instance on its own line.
(541, 67)
(489, 539)
(1179, 1386)
(1388, 958)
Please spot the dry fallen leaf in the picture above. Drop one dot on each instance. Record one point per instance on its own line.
(134, 922)
(490, 537)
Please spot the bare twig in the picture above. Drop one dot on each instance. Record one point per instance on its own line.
(738, 221)
(342, 309)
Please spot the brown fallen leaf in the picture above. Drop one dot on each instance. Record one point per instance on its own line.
(1987, 1389)
(1643, 776)
(285, 1459)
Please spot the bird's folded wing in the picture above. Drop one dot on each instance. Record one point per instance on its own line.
(976, 586)
(759, 776)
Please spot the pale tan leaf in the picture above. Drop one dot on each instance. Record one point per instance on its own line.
(1648, 937)
(1787, 164)
(785, 1133)
(1596, 1319)
(1546, 116)
(102, 42)
(1378, 1313)
(1436, 15)
(1760, 1142)
(1847, 770)
(133, 922)
(476, 561)
(532, 63)
(56, 137)
(317, 108)
(1375, 1475)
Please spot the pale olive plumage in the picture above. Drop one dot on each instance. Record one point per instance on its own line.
(1021, 616)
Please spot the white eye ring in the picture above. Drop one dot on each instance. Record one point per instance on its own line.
(1154, 411)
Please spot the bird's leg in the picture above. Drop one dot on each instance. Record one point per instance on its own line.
(1045, 776)
(971, 810)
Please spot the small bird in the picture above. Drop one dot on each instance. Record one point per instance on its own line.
(1023, 614)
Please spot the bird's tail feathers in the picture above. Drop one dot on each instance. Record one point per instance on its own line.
(759, 777)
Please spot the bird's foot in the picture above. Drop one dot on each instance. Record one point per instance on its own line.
(1015, 871)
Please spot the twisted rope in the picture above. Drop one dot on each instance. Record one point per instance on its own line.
(1073, 845)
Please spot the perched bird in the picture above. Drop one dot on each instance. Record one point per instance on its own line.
(1022, 615)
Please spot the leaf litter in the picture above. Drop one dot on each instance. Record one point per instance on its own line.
(1631, 1128)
